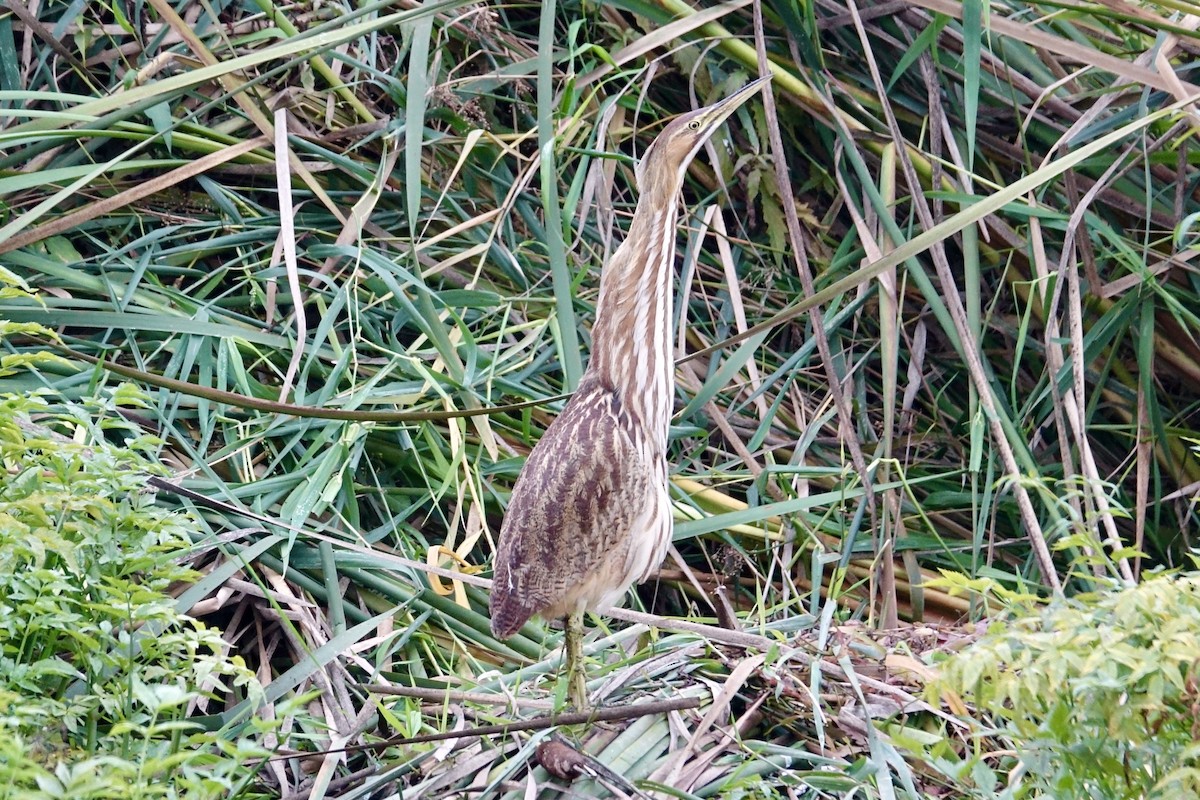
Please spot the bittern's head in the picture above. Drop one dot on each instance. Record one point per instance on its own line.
(665, 161)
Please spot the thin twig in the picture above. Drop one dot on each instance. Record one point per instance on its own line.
(441, 695)
(710, 632)
(609, 714)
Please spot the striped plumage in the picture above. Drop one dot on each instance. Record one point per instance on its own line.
(590, 513)
(592, 516)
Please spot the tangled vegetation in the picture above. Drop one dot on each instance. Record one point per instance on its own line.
(1097, 694)
(102, 679)
(937, 315)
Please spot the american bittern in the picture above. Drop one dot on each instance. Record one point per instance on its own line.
(590, 512)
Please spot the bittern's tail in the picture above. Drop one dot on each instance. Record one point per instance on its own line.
(507, 611)
(507, 616)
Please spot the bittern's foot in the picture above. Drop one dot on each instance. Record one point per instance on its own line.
(577, 691)
(576, 672)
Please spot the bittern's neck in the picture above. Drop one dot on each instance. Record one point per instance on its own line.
(631, 341)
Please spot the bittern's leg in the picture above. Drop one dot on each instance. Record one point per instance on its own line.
(576, 675)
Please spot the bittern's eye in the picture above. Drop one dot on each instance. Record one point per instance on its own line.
(694, 125)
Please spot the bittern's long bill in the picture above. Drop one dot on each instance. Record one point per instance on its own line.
(590, 512)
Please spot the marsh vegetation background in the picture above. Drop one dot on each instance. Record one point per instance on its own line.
(331, 267)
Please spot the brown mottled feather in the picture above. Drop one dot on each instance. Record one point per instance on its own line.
(565, 539)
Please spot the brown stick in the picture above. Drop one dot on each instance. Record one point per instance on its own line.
(607, 714)
(441, 695)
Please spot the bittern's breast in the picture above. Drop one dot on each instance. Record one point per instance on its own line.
(589, 515)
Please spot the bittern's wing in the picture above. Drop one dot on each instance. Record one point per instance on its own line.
(582, 490)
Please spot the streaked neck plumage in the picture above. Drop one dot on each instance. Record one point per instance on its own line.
(632, 350)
